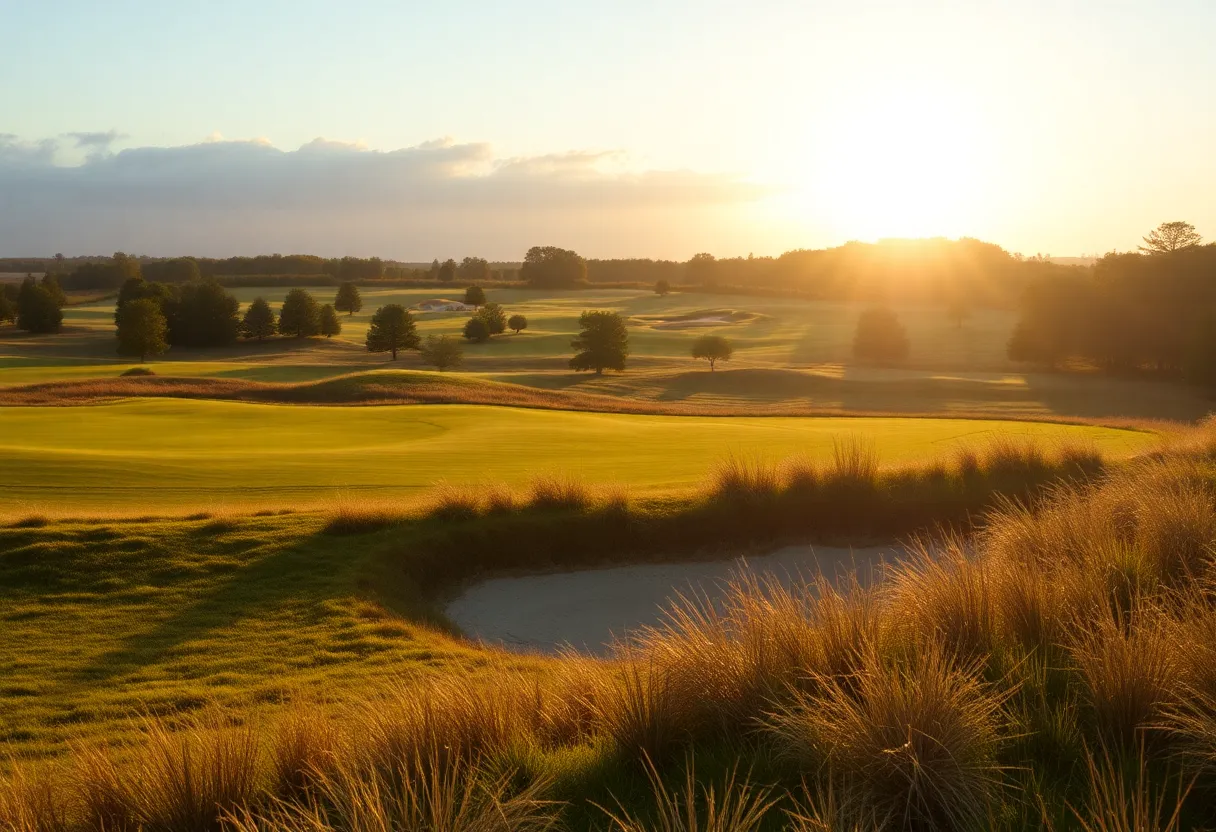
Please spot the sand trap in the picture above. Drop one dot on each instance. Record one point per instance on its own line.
(586, 609)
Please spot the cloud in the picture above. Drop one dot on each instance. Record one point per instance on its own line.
(95, 141)
(220, 197)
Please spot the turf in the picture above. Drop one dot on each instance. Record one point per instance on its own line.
(150, 454)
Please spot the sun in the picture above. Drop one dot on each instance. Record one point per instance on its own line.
(899, 164)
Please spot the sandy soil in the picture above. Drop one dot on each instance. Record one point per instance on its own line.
(586, 609)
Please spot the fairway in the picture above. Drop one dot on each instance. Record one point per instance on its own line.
(150, 454)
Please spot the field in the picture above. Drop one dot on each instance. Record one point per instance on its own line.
(262, 537)
(789, 353)
(156, 455)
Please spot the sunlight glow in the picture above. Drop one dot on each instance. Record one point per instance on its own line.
(902, 163)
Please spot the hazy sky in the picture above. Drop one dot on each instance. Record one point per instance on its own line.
(625, 128)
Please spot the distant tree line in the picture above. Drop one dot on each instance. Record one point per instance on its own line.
(1154, 309)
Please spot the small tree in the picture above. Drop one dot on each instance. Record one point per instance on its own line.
(447, 272)
(477, 330)
(1171, 236)
(474, 269)
(662, 288)
(37, 310)
(517, 322)
(330, 324)
(348, 300)
(442, 352)
(474, 296)
(8, 309)
(300, 315)
(602, 344)
(880, 337)
(51, 284)
(712, 348)
(142, 329)
(495, 318)
(392, 329)
(958, 310)
(258, 321)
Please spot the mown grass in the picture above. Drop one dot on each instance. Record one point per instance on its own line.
(1051, 671)
(175, 456)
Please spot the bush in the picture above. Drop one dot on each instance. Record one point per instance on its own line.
(442, 352)
(495, 318)
(518, 323)
(474, 296)
(880, 337)
(137, 371)
(662, 288)
(477, 330)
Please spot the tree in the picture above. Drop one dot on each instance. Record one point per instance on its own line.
(1171, 236)
(300, 315)
(447, 272)
(202, 314)
(702, 269)
(51, 284)
(348, 300)
(435, 269)
(495, 318)
(1199, 365)
(259, 320)
(958, 310)
(142, 329)
(8, 309)
(880, 337)
(330, 325)
(662, 288)
(517, 322)
(37, 310)
(474, 269)
(712, 348)
(550, 267)
(602, 344)
(477, 330)
(442, 352)
(474, 296)
(392, 329)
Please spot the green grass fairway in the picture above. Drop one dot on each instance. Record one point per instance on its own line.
(149, 454)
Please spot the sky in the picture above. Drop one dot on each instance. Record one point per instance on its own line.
(649, 129)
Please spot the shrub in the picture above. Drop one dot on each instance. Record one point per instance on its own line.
(442, 352)
(137, 371)
(880, 337)
(474, 295)
(558, 491)
(495, 319)
(662, 288)
(476, 330)
(518, 323)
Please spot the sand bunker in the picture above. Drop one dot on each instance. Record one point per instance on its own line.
(700, 318)
(586, 609)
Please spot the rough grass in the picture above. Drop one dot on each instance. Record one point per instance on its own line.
(949, 696)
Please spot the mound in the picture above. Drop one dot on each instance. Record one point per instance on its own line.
(697, 319)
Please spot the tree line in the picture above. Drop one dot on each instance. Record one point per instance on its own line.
(935, 271)
(1153, 309)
